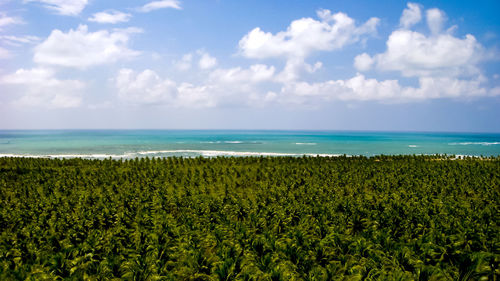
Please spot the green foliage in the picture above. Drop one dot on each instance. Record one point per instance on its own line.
(277, 218)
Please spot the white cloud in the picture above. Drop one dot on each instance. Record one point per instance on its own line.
(440, 54)
(435, 20)
(63, 7)
(148, 88)
(194, 96)
(81, 49)
(444, 87)
(356, 88)
(360, 88)
(445, 65)
(411, 15)
(19, 40)
(251, 87)
(111, 16)
(145, 87)
(6, 20)
(414, 54)
(294, 67)
(185, 62)
(162, 4)
(234, 86)
(303, 37)
(206, 61)
(243, 86)
(306, 35)
(40, 87)
(363, 62)
(255, 74)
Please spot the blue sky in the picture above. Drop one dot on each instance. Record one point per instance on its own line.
(318, 65)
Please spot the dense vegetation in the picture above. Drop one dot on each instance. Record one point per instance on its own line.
(281, 218)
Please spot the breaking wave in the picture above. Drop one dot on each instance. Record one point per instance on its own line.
(166, 153)
(475, 143)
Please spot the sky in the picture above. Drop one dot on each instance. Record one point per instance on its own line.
(225, 64)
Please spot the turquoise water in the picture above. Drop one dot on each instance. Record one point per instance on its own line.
(191, 143)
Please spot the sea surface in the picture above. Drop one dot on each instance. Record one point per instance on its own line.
(211, 143)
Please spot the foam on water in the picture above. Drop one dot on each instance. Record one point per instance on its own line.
(230, 142)
(180, 152)
(475, 143)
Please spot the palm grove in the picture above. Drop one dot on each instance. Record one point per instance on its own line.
(254, 218)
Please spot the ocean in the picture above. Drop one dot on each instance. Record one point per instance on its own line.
(211, 143)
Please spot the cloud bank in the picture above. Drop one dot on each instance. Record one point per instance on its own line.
(279, 68)
(40, 87)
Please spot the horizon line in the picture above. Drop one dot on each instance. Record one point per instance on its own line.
(220, 129)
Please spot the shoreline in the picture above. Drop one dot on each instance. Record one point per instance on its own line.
(236, 154)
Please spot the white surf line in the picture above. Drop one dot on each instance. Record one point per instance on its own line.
(474, 143)
(234, 153)
(205, 153)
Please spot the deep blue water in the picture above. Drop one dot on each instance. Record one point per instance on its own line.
(189, 143)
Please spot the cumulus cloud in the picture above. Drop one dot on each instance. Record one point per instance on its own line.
(444, 65)
(193, 96)
(415, 54)
(295, 67)
(254, 74)
(445, 87)
(411, 15)
(363, 62)
(63, 7)
(206, 60)
(303, 37)
(357, 88)
(251, 86)
(40, 87)
(81, 49)
(306, 35)
(147, 87)
(232, 86)
(243, 86)
(441, 64)
(111, 17)
(162, 4)
(435, 20)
